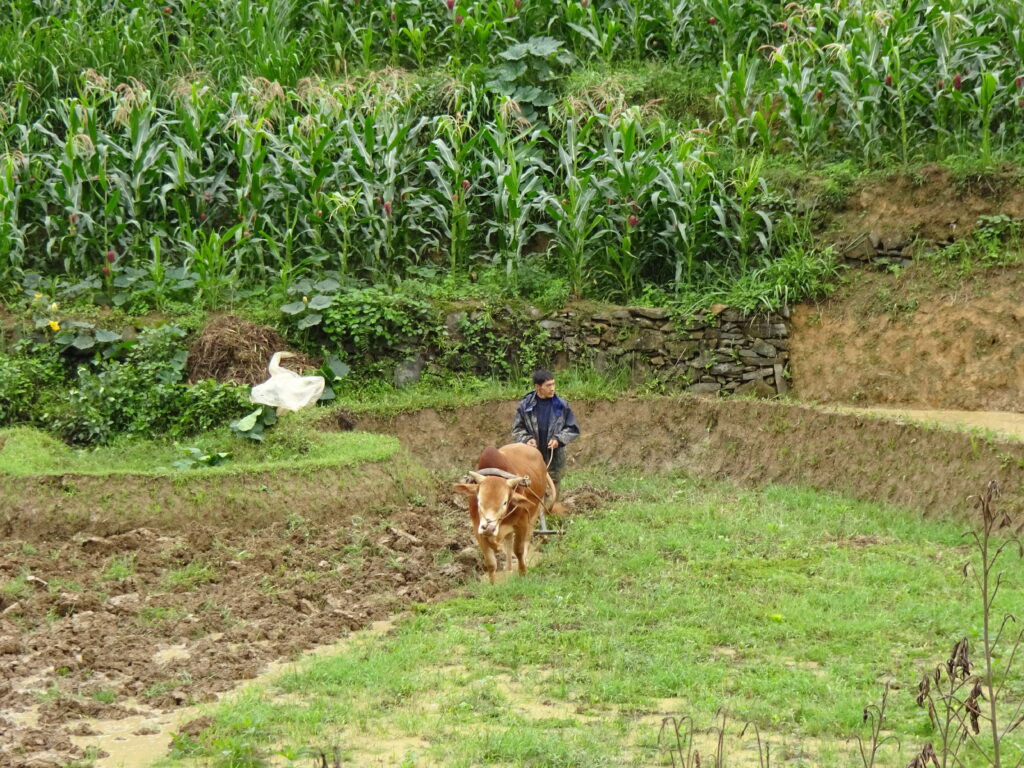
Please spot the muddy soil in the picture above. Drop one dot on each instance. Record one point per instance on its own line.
(112, 627)
(100, 627)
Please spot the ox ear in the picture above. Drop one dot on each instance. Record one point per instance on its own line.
(520, 500)
(469, 489)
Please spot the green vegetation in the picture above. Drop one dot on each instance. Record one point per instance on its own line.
(25, 451)
(190, 577)
(200, 152)
(350, 172)
(120, 568)
(112, 387)
(788, 607)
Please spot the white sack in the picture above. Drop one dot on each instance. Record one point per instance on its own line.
(287, 390)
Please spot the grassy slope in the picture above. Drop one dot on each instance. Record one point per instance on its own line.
(25, 451)
(788, 607)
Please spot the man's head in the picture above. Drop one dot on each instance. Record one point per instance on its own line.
(544, 383)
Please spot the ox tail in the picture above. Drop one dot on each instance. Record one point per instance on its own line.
(551, 502)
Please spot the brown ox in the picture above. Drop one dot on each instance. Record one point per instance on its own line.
(505, 499)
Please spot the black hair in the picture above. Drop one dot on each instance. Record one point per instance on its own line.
(541, 375)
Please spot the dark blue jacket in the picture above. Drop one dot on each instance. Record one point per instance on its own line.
(562, 427)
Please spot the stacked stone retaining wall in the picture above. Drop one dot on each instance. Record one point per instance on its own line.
(723, 351)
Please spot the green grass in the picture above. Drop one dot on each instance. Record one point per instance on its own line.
(576, 383)
(191, 576)
(26, 451)
(787, 607)
(120, 568)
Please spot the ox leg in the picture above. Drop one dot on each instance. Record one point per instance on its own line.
(508, 554)
(522, 544)
(490, 560)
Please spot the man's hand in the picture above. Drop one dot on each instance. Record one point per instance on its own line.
(552, 444)
(532, 442)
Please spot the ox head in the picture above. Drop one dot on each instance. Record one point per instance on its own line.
(496, 497)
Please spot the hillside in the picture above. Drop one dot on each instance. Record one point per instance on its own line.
(929, 315)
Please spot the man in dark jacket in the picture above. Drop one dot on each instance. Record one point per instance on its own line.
(545, 421)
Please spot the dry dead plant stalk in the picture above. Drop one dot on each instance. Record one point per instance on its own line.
(875, 714)
(954, 693)
(925, 757)
(676, 740)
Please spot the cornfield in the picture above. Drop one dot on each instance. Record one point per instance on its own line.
(180, 150)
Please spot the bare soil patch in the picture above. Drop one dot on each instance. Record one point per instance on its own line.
(914, 341)
(928, 208)
(198, 610)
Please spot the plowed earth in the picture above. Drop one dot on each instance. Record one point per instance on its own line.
(200, 611)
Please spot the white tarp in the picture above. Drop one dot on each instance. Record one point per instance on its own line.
(287, 390)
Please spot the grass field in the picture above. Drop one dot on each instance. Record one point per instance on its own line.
(790, 609)
(26, 451)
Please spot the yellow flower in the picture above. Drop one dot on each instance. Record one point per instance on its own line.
(53, 307)
(39, 296)
(54, 325)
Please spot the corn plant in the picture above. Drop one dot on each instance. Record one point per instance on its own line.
(747, 115)
(13, 230)
(454, 165)
(687, 191)
(805, 112)
(859, 89)
(598, 35)
(385, 154)
(629, 171)
(209, 257)
(748, 224)
(575, 205)
(512, 172)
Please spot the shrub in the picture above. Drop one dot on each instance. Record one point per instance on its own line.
(143, 395)
(374, 320)
(208, 404)
(22, 379)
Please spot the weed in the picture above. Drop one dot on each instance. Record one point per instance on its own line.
(119, 568)
(190, 576)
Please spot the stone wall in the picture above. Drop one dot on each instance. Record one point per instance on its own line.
(722, 351)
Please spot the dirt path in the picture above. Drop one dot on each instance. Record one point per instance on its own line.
(1002, 422)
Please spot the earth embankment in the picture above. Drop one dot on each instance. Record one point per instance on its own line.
(930, 469)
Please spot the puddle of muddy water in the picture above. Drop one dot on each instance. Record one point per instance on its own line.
(141, 740)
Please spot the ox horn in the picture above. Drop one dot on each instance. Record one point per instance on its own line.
(477, 477)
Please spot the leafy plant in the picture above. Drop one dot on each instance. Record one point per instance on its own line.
(197, 458)
(253, 425)
(364, 319)
(333, 371)
(529, 72)
(308, 309)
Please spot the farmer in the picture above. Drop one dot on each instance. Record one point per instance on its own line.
(545, 421)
